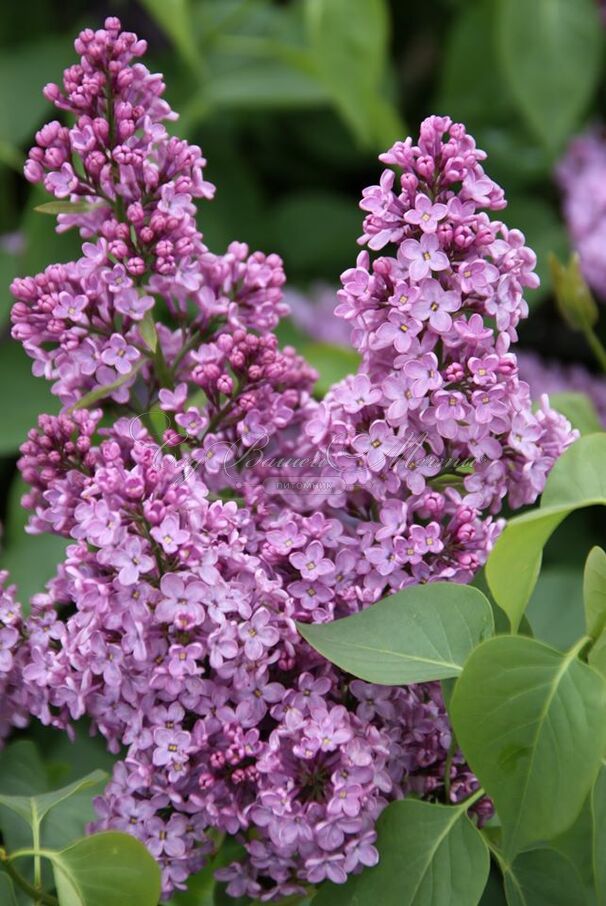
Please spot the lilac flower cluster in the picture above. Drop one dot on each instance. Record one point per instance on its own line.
(311, 313)
(93, 325)
(436, 429)
(171, 622)
(11, 657)
(580, 175)
(180, 644)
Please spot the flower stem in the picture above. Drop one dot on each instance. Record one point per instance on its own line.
(37, 895)
(596, 346)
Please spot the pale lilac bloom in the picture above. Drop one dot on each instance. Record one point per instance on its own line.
(423, 256)
(425, 214)
(311, 562)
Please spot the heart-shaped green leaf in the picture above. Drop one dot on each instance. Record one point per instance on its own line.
(429, 855)
(577, 480)
(424, 632)
(598, 812)
(594, 591)
(543, 877)
(531, 722)
(33, 808)
(551, 56)
(7, 891)
(108, 869)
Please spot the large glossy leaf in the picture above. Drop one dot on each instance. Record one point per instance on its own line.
(576, 844)
(598, 812)
(315, 232)
(34, 808)
(424, 632)
(597, 654)
(174, 17)
(44, 550)
(108, 869)
(531, 722)
(7, 891)
(23, 66)
(579, 409)
(551, 56)
(494, 895)
(594, 591)
(470, 48)
(265, 84)
(9, 268)
(543, 877)
(577, 480)
(429, 855)
(348, 40)
(20, 410)
(555, 611)
(544, 231)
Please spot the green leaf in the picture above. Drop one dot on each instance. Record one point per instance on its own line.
(597, 654)
(270, 84)
(22, 771)
(33, 809)
(64, 207)
(555, 610)
(422, 633)
(348, 40)
(574, 300)
(100, 393)
(429, 855)
(494, 894)
(543, 877)
(22, 67)
(598, 813)
(46, 551)
(544, 232)
(579, 409)
(108, 869)
(174, 17)
(333, 363)
(7, 891)
(315, 232)
(577, 480)
(551, 56)
(42, 242)
(594, 591)
(470, 48)
(147, 329)
(22, 549)
(532, 725)
(9, 268)
(20, 410)
(576, 844)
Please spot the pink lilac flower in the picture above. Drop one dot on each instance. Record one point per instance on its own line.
(171, 622)
(423, 256)
(580, 175)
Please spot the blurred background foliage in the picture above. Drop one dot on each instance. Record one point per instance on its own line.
(291, 103)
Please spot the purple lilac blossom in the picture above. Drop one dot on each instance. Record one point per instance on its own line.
(171, 622)
(312, 313)
(544, 376)
(581, 175)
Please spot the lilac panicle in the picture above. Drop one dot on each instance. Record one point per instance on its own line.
(580, 175)
(171, 622)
